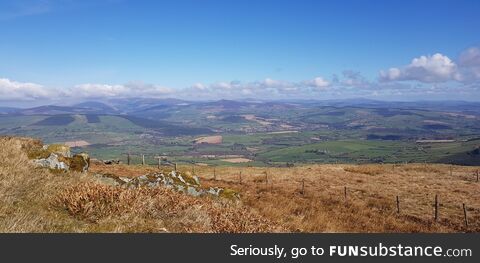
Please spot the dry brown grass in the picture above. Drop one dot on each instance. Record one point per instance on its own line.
(35, 200)
(163, 209)
(369, 169)
(371, 195)
(25, 191)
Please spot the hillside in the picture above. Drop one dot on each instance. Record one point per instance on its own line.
(41, 200)
(271, 199)
(271, 133)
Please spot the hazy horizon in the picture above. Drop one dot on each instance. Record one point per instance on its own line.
(32, 104)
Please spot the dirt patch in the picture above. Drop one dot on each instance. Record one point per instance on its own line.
(77, 143)
(217, 139)
(236, 160)
(251, 117)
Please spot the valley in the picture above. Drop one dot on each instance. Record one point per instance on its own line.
(258, 133)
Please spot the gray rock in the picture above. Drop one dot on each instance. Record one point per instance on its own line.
(174, 180)
(51, 162)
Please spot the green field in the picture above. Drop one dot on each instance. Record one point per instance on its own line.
(274, 134)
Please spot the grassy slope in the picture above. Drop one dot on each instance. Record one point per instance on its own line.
(371, 194)
(35, 200)
(371, 191)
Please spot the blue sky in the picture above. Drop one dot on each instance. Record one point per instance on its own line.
(243, 48)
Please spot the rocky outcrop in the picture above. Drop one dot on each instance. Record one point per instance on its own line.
(44, 151)
(58, 158)
(182, 182)
(59, 149)
(52, 162)
(111, 162)
(80, 162)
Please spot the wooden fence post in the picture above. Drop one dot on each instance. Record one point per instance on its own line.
(266, 178)
(477, 175)
(128, 158)
(193, 169)
(240, 177)
(214, 173)
(436, 208)
(398, 205)
(175, 167)
(465, 215)
(345, 192)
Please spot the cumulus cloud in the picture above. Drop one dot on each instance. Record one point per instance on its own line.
(13, 90)
(199, 86)
(428, 69)
(318, 82)
(424, 75)
(134, 89)
(24, 91)
(267, 88)
(97, 90)
(438, 68)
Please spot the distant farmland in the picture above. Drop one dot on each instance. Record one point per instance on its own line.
(58, 120)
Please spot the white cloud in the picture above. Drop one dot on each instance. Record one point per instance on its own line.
(130, 90)
(20, 91)
(267, 88)
(97, 90)
(222, 85)
(199, 86)
(318, 82)
(428, 69)
(13, 90)
(438, 68)
(271, 83)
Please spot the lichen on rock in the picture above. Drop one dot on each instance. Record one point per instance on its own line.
(58, 158)
(59, 149)
(80, 162)
(52, 162)
(181, 182)
(39, 151)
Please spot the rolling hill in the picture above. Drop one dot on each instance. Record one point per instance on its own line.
(269, 133)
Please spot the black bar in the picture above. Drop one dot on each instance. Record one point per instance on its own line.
(218, 247)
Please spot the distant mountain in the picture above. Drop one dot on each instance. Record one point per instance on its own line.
(229, 104)
(139, 104)
(50, 110)
(163, 108)
(97, 106)
(167, 128)
(59, 110)
(8, 110)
